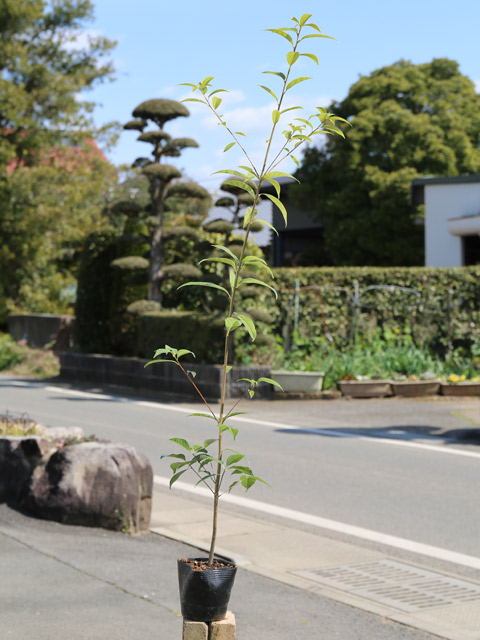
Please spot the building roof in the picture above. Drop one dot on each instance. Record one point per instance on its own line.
(427, 180)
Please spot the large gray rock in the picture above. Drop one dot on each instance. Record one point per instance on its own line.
(18, 457)
(95, 484)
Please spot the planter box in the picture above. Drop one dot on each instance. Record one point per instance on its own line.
(365, 388)
(299, 381)
(460, 389)
(415, 388)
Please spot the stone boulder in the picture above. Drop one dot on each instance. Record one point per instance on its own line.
(98, 484)
(18, 457)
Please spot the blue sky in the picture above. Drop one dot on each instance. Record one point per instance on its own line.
(161, 44)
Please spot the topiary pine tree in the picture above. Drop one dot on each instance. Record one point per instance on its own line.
(159, 174)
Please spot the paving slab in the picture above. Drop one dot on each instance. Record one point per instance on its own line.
(298, 558)
(60, 581)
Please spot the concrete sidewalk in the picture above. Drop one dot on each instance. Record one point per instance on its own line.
(59, 581)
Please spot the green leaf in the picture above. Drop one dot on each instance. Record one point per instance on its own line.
(234, 432)
(292, 57)
(188, 84)
(251, 393)
(231, 172)
(247, 216)
(182, 442)
(290, 109)
(316, 35)
(270, 381)
(229, 368)
(237, 413)
(230, 263)
(280, 174)
(275, 116)
(280, 32)
(275, 185)
(268, 91)
(192, 100)
(295, 160)
(312, 56)
(216, 91)
(177, 465)
(233, 459)
(304, 18)
(193, 374)
(227, 250)
(296, 81)
(248, 324)
(160, 360)
(268, 224)
(241, 185)
(232, 279)
(202, 415)
(240, 133)
(248, 481)
(175, 477)
(229, 146)
(251, 173)
(208, 442)
(216, 102)
(205, 478)
(204, 284)
(232, 324)
(329, 127)
(279, 204)
(275, 73)
(207, 80)
(314, 26)
(261, 264)
(232, 485)
(259, 282)
(183, 352)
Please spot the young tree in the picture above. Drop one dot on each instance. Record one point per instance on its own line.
(408, 120)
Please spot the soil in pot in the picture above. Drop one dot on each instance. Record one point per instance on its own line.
(205, 589)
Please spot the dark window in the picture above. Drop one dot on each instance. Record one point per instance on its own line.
(471, 250)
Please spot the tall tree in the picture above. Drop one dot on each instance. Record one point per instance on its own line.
(49, 192)
(408, 120)
(158, 112)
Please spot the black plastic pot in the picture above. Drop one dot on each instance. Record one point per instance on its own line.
(204, 595)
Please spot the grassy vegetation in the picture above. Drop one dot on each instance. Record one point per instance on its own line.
(20, 360)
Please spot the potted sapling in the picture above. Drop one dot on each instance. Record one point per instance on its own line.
(205, 583)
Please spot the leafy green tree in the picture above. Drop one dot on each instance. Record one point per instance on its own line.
(44, 220)
(408, 120)
(43, 70)
(52, 182)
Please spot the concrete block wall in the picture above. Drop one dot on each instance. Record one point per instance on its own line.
(162, 378)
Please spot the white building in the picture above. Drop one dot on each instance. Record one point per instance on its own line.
(452, 219)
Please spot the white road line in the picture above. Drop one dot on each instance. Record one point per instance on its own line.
(332, 525)
(267, 423)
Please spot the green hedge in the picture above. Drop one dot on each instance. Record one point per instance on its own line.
(202, 334)
(447, 313)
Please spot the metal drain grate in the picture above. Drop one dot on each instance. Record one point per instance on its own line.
(396, 584)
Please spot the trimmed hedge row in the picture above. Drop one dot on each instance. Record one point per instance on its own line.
(202, 334)
(444, 314)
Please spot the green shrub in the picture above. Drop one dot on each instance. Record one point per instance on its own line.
(10, 353)
(445, 316)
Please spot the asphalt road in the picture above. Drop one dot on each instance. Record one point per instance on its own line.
(393, 467)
